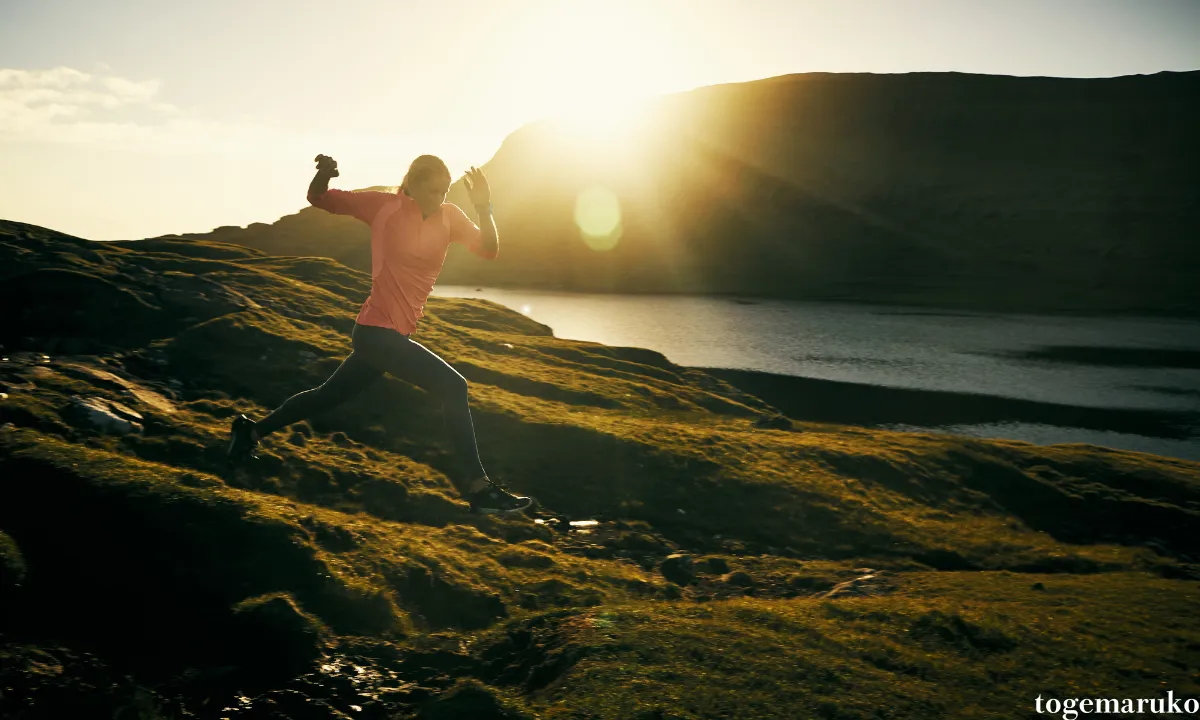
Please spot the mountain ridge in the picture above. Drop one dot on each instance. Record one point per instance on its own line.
(994, 192)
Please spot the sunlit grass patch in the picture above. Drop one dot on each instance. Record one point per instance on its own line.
(958, 644)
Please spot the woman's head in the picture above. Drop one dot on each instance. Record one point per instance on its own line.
(427, 181)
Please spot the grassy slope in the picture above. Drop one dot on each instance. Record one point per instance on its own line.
(135, 554)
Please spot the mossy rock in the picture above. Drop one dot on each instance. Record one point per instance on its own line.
(443, 600)
(274, 633)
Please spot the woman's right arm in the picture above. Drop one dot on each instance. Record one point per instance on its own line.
(326, 170)
(362, 205)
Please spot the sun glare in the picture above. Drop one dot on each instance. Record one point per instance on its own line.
(598, 215)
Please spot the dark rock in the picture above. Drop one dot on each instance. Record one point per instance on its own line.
(106, 416)
(809, 583)
(12, 565)
(740, 578)
(942, 559)
(716, 565)
(677, 567)
(595, 552)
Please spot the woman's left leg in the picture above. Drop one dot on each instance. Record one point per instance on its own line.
(351, 377)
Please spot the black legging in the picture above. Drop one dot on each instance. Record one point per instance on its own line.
(379, 350)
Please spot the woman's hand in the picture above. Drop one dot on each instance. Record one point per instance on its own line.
(477, 187)
(327, 166)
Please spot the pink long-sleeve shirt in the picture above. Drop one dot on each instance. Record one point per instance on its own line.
(407, 251)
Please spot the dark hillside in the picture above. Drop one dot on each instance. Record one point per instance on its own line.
(977, 191)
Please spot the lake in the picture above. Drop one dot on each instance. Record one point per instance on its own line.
(1123, 382)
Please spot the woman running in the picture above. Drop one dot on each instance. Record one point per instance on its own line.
(411, 232)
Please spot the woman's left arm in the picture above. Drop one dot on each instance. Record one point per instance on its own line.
(489, 238)
(484, 239)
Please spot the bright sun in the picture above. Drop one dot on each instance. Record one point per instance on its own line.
(595, 61)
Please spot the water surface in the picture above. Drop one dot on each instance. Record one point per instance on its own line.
(1142, 364)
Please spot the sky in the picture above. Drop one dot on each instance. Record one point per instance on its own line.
(124, 119)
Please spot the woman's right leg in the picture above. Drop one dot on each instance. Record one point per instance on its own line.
(349, 379)
(406, 359)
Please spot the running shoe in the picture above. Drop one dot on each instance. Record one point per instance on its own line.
(495, 498)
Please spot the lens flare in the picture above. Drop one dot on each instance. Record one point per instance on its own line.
(598, 215)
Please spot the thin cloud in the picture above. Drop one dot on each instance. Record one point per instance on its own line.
(130, 91)
(68, 106)
(65, 105)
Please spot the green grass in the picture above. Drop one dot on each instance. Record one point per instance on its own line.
(966, 644)
(351, 544)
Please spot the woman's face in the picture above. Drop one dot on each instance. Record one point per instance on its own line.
(430, 192)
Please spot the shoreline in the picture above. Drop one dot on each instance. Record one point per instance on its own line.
(815, 400)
